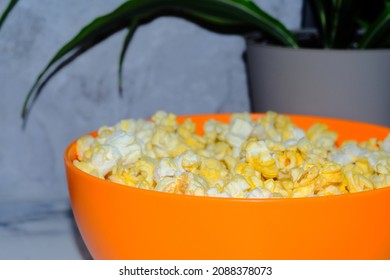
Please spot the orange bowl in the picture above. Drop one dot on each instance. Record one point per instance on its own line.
(121, 222)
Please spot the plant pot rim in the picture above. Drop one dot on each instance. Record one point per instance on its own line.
(258, 41)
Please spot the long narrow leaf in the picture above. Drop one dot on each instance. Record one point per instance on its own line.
(7, 10)
(63, 58)
(240, 12)
(249, 13)
(344, 24)
(102, 27)
(322, 11)
(379, 32)
(212, 19)
(369, 12)
(337, 21)
(322, 18)
(130, 32)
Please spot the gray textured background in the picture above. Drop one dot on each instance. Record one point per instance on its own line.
(172, 64)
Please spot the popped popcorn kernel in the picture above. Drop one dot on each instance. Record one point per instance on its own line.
(260, 157)
(88, 167)
(358, 182)
(165, 168)
(381, 180)
(237, 186)
(187, 132)
(320, 135)
(84, 147)
(267, 158)
(213, 170)
(165, 121)
(167, 144)
(332, 173)
(188, 161)
(386, 144)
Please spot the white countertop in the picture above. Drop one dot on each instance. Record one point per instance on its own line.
(35, 230)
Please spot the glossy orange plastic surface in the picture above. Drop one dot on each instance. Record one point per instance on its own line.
(121, 222)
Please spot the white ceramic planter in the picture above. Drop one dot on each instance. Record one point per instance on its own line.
(348, 84)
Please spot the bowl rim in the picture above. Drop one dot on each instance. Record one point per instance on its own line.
(70, 152)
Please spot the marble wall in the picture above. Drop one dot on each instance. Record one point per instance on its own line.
(172, 64)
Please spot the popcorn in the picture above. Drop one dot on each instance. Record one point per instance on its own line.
(186, 183)
(213, 170)
(380, 181)
(320, 135)
(187, 132)
(214, 191)
(259, 193)
(167, 144)
(127, 125)
(252, 176)
(170, 185)
(331, 173)
(358, 183)
(87, 167)
(125, 143)
(330, 190)
(145, 184)
(259, 132)
(103, 159)
(142, 170)
(83, 147)
(266, 158)
(349, 153)
(196, 186)
(104, 131)
(143, 135)
(188, 162)
(258, 154)
(166, 121)
(237, 186)
(276, 188)
(219, 150)
(215, 131)
(166, 168)
(239, 131)
(230, 162)
(386, 144)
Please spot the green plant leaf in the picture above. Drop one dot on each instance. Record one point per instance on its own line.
(337, 21)
(249, 13)
(214, 12)
(323, 14)
(344, 24)
(369, 12)
(377, 35)
(7, 10)
(130, 32)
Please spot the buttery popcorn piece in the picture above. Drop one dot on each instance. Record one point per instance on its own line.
(266, 158)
